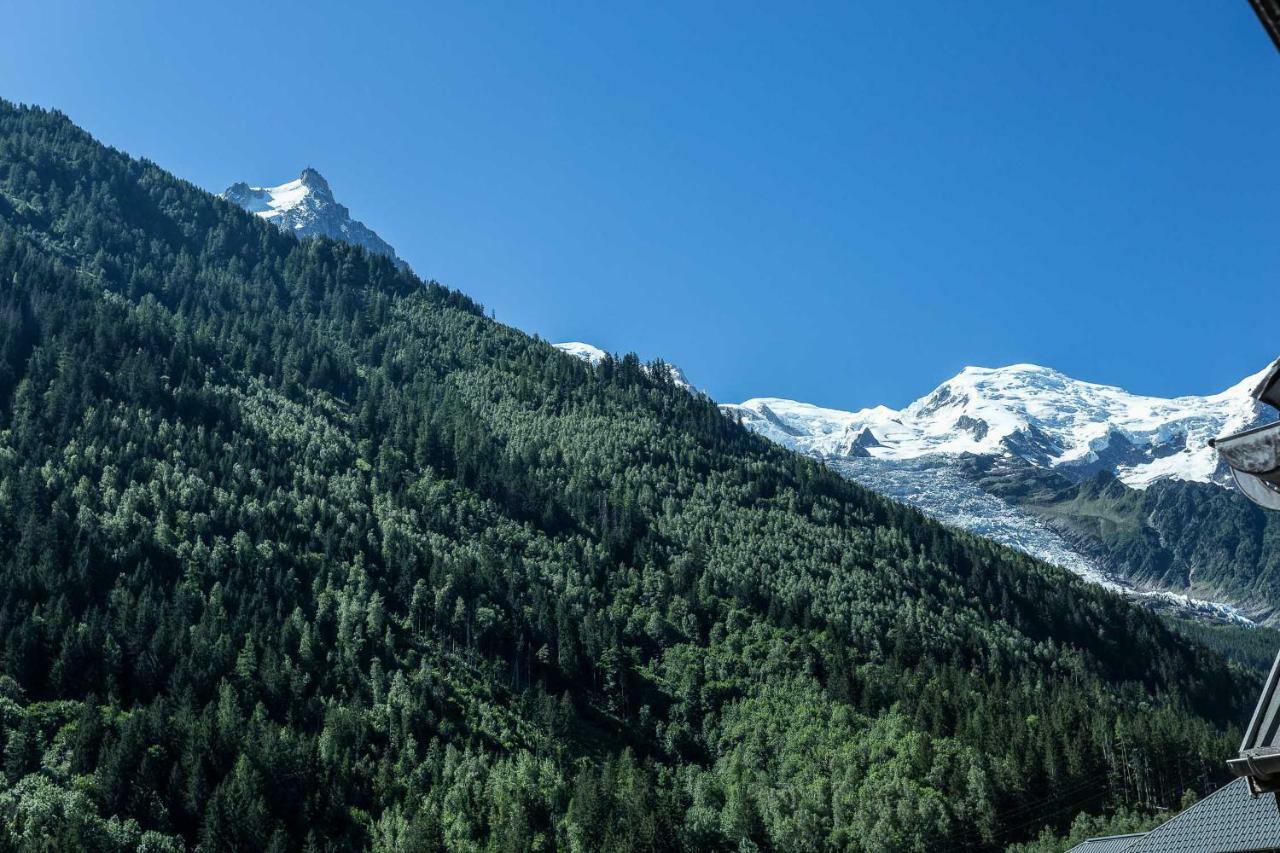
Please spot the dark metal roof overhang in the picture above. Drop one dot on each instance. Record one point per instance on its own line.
(1254, 459)
(1259, 759)
(1268, 12)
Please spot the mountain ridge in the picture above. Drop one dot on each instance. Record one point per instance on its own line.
(936, 454)
(1037, 413)
(593, 355)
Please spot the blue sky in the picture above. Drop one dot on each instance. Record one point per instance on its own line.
(839, 203)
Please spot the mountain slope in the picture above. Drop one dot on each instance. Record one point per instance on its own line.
(298, 551)
(306, 207)
(1199, 538)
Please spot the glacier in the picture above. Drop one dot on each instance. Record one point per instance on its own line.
(938, 487)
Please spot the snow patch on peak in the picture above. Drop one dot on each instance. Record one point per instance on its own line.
(594, 355)
(679, 378)
(1011, 370)
(270, 202)
(586, 352)
(1245, 387)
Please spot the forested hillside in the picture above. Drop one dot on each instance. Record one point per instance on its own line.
(1197, 538)
(297, 552)
(1194, 536)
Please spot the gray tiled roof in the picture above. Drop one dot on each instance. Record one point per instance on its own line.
(1230, 819)
(1106, 844)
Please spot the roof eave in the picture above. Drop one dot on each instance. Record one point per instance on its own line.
(1268, 12)
(1262, 771)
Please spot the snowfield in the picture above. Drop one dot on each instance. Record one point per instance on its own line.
(274, 202)
(586, 352)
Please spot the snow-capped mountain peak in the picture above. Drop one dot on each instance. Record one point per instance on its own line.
(306, 207)
(1032, 412)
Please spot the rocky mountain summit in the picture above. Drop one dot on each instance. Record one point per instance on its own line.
(306, 207)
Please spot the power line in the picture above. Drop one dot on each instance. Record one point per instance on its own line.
(1043, 809)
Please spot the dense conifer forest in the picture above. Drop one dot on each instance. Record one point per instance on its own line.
(298, 552)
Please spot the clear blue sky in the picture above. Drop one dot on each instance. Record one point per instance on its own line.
(839, 203)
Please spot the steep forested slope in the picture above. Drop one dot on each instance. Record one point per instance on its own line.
(1197, 538)
(1193, 536)
(296, 551)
